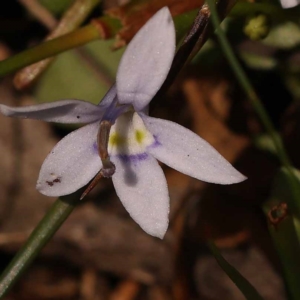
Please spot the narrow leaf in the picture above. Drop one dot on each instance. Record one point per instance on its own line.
(242, 283)
(284, 227)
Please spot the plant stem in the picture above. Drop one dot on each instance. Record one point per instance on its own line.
(285, 239)
(102, 28)
(51, 222)
(246, 85)
(259, 108)
(72, 18)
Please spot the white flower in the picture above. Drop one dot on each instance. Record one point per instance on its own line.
(134, 141)
(289, 3)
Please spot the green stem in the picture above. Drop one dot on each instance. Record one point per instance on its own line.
(242, 283)
(51, 222)
(101, 28)
(246, 85)
(284, 249)
(72, 18)
(259, 108)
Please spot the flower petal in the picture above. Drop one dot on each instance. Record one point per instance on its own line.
(289, 3)
(147, 61)
(71, 164)
(109, 97)
(186, 152)
(64, 111)
(142, 188)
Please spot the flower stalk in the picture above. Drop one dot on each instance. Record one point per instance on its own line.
(40, 236)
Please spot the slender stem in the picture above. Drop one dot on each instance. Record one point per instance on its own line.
(284, 239)
(242, 283)
(246, 85)
(241, 76)
(72, 18)
(51, 222)
(39, 12)
(102, 28)
(48, 49)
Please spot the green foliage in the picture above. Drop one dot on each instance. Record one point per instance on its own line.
(284, 227)
(241, 282)
(87, 73)
(285, 35)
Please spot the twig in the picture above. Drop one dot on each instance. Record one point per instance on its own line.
(73, 17)
(40, 13)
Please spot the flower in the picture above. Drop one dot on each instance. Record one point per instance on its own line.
(289, 3)
(122, 141)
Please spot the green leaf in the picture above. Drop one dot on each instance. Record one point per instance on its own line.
(258, 62)
(284, 36)
(265, 143)
(242, 283)
(284, 227)
(286, 187)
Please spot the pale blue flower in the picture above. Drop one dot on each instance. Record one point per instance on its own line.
(134, 141)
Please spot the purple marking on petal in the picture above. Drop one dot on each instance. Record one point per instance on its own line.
(133, 158)
(156, 143)
(95, 147)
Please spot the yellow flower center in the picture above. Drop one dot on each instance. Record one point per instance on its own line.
(129, 136)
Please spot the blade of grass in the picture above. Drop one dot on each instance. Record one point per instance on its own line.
(241, 282)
